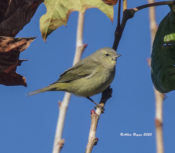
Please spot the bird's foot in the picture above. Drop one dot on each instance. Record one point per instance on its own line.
(100, 106)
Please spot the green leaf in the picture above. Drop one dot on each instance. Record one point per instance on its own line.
(163, 55)
(58, 12)
(172, 8)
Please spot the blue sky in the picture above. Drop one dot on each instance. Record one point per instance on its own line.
(28, 123)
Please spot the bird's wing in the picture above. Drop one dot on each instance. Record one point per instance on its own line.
(82, 69)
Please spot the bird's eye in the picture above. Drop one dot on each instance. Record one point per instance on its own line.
(107, 54)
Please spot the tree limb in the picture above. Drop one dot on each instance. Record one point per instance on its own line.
(59, 141)
(127, 14)
(159, 97)
(95, 115)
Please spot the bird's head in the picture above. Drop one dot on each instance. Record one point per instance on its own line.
(107, 56)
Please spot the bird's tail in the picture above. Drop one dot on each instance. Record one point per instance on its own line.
(49, 88)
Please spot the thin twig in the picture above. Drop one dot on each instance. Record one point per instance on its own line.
(92, 140)
(119, 13)
(153, 24)
(124, 5)
(129, 13)
(154, 4)
(159, 97)
(59, 141)
(95, 115)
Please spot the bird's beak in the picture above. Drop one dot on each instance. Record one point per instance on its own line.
(116, 56)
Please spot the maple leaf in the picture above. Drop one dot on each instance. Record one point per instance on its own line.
(58, 12)
(10, 49)
(14, 15)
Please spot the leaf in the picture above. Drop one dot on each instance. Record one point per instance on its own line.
(172, 7)
(10, 49)
(58, 12)
(163, 55)
(14, 14)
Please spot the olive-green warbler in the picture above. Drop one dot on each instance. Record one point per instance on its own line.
(89, 76)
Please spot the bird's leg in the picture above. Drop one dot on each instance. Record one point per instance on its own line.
(97, 105)
(92, 101)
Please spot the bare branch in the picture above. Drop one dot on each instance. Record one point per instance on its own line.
(154, 4)
(124, 5)
(153, 24)
(119, 13)
(129, 13)
(95, 115)
(92, 140)
(59, 142)
(159, 97)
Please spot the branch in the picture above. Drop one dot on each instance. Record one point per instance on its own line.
(119, 13)
(124, 5)
(59, 141)
(153, 24)
(129, 13)
(154, 4)
(159, 97)
(92, 140)
(95, 115)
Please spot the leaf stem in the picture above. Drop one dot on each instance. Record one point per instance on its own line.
(59, 141)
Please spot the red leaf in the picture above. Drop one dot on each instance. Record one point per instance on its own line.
(10, 49)
(12, 79)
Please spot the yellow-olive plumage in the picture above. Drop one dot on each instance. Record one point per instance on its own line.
(88, 77)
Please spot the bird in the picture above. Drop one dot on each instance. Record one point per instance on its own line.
(88, 77)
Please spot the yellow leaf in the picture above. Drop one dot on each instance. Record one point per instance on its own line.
(58, 12)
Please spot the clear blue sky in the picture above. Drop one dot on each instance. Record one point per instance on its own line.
(28, 123)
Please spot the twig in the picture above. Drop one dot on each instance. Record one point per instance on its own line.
(124, 5)
(59, 141)
(159, 97)
(92, 140)
(129, 13)
(95, 115)
(119, 14)
(154, 4)
(153, 24)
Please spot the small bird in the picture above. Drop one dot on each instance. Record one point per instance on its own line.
(88, 77)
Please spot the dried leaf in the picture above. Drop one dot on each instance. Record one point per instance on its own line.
(14, 14)
(58, 12)
(163, 55)
(10, 49)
